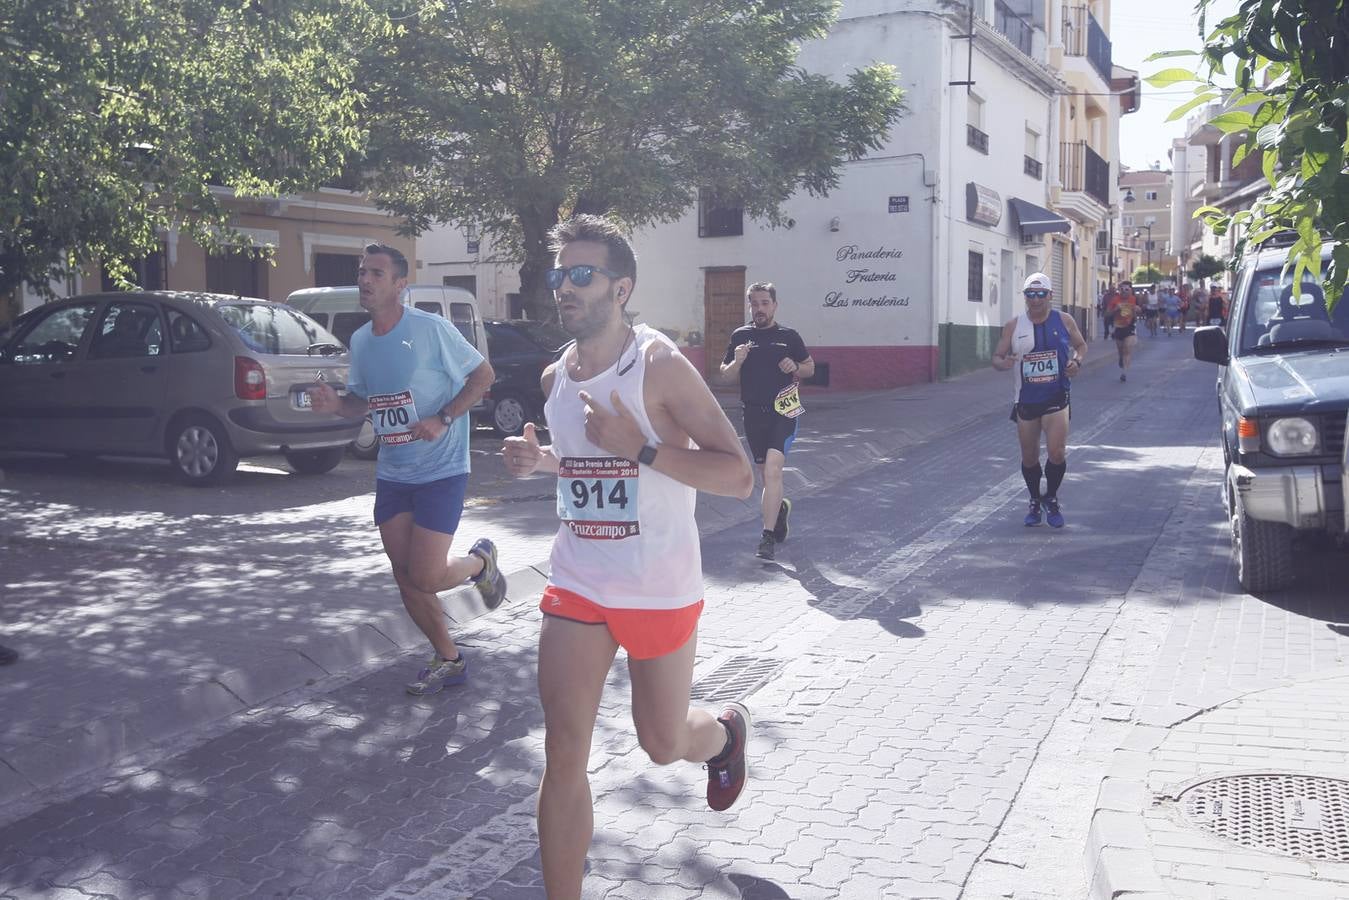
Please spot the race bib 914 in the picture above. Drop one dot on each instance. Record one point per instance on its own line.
(597, 497)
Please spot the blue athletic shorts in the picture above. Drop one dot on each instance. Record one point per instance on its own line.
(435, 505)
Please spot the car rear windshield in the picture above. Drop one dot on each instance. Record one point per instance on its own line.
(545, 334)
(275, 329)
(1262, 306)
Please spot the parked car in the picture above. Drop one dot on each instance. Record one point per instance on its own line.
(521, 350)
(339, 308)
(202, 379)
(1283, 393)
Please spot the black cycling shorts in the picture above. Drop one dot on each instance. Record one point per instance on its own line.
(766, 430)
(1029, 412)
(1125, 333)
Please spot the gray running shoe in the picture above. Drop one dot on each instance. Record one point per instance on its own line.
(765, 550)
(441, 674)
(490, 582)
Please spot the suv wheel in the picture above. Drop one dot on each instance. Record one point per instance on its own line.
(1264, 551)
(315, 462)
(366, 445)
(509, 415)
(201, 451)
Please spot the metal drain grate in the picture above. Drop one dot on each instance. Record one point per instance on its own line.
(1297, 815)
(735, 679)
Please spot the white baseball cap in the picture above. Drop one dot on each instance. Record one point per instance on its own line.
(1038, 282)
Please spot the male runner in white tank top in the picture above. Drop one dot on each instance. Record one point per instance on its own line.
(636, 433)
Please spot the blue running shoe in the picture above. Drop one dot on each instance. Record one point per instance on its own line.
(1033, 516)
(1052, 514)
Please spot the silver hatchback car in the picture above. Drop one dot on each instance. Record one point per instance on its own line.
(202, 379)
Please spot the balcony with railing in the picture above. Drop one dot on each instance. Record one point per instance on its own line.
(1084, 36)
(1014, 26)
(976, 139)
(1082, 169)
(1033, 167)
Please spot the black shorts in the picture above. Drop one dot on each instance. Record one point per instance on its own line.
(1029, 412)
(766, 430)
(1125, 333)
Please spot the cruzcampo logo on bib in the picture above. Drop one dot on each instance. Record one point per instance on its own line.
(597, 497)
(788, 401)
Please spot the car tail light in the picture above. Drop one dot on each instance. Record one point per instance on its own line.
(1248, 435)
(250, 379)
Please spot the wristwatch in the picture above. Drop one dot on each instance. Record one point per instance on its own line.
(647, 455)
(446, 420)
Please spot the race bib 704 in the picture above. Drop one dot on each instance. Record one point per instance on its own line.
(1040, 367)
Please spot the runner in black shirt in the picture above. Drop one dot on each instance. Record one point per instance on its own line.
(770, 360)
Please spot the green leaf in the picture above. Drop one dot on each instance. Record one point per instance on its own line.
(1169, 77)
(1232, 121)
(1241, 153)
(1180, 111)
(1170, 54)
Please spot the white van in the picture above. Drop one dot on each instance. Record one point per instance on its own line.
(339, 310)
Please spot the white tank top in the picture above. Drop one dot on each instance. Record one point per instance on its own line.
(628, 538)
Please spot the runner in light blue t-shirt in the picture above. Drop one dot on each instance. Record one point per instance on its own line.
(417, 378)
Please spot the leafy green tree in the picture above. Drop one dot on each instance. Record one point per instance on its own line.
(1290, 97)
(511, 116)
(117, 116)
(1147, 275)
(1205, 267)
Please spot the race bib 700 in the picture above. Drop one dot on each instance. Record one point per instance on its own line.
(393, 415)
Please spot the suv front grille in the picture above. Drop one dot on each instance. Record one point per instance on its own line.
(1332, 430)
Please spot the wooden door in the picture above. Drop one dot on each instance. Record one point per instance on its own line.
(723, 312)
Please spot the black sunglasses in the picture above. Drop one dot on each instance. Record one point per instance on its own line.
(579, 275)
(1036, 295)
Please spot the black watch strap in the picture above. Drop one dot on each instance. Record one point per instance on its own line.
(647, 455)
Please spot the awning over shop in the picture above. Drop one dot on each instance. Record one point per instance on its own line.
(1032, 219)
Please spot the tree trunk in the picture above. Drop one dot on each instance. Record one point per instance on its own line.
(538, 300)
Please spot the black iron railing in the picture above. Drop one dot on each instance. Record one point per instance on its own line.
(976, 139)
(1014, 27)
(1034, 168)
(1082, 169)
(1084, 36)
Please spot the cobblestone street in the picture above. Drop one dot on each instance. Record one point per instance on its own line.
(939, 692)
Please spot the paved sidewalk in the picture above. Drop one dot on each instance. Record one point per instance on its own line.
(234, 648)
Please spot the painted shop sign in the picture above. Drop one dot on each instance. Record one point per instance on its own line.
(866, 274)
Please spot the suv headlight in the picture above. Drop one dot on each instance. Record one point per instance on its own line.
(1293, 436)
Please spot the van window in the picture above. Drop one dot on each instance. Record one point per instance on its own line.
(431, 306)
(461, 314)
(320, 317)
(346, 323)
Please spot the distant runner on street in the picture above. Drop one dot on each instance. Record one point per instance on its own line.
(417, 378)
(770, 360)
(1047, 350)
(1124, 313)
(636, 434)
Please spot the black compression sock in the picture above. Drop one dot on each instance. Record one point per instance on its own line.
(1032, 475)
(1054, 477)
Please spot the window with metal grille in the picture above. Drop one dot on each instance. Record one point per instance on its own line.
(976, 287)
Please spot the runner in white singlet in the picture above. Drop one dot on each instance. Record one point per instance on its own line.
(636, 433)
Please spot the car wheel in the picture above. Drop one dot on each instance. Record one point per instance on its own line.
(201, 451)
(366, 445)
(315, 462)
(1264, 551)
(509, 415)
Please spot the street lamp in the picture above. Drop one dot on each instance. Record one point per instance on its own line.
(1148, 226)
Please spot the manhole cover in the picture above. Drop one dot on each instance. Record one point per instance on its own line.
(735, 679)
(1297, 815)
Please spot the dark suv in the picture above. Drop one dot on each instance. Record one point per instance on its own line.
(520, 350)
(1283, 389)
